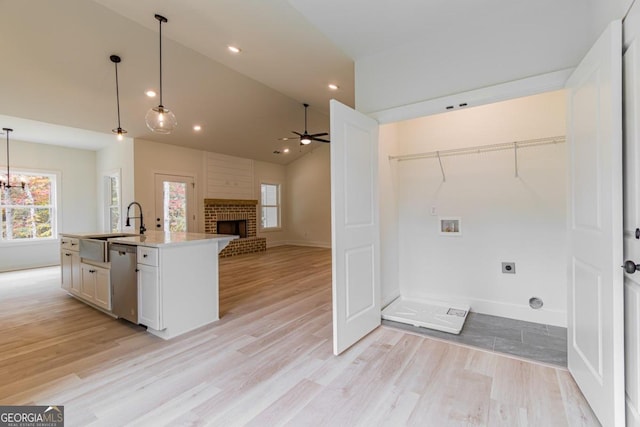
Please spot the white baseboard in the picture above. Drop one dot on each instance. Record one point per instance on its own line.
(503, 309)
(299, 243)
(633, 418)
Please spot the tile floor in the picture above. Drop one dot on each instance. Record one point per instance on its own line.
(543, 343)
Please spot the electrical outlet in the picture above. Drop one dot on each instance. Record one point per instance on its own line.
(509, 267)
(434, 211)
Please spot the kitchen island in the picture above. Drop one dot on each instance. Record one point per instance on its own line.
(177, 279)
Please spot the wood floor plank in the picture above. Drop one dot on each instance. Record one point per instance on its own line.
(267, 362)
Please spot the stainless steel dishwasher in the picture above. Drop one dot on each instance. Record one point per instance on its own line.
(124, 281)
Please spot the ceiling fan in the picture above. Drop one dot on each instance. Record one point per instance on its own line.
(305, 137)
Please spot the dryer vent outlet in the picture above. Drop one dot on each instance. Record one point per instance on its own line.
(509, 267)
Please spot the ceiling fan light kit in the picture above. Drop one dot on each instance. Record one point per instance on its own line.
(306, 138)
(160, 119)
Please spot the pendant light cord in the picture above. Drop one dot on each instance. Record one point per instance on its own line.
(117, 94)
(160, 23)
(8, 183)
(8, 179)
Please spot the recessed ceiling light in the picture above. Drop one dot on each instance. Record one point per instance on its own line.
(234, 49)
(150, 93)
(286, 150)
(333, 86)
(197, 128)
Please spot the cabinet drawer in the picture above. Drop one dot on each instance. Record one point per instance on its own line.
(70, 243)
(148, 256)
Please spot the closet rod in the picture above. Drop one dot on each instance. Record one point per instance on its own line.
(483, 148)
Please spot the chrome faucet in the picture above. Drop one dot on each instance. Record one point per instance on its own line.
(128, 223)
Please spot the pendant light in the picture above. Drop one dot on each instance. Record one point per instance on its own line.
(160, 119)
(118, 131)
(7, 184)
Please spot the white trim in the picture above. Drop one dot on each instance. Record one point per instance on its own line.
(326, 245)
(486, 95)
(502, 309)
(56, 195)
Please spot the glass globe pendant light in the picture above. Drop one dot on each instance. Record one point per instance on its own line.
(118, 131)
(160, 119)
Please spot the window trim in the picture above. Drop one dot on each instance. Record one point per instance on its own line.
(56, 185)
(278, 206)
(106, 177)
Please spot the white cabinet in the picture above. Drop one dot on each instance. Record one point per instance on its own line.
(70, 265)
(149, 291)
(95, 285)
(149, 297)
(103, 288)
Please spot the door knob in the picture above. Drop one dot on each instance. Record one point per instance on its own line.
(630, 267)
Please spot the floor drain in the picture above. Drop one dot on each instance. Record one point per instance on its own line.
(535, 303)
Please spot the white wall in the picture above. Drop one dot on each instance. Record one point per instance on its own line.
(117, 157)
(76, 205)
(271, 173)
(387, 173)
(308, 205)
(504, 218)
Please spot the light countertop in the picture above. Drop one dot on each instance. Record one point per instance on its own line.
(96, 235)
(159, 238)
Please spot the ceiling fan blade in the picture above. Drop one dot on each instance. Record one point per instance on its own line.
(318, 134)
(297, 133)
(321, 140)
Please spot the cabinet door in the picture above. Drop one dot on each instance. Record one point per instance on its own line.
(88, 282)
(76, 279)
(66, 269)
(103, 288)
(149, 298)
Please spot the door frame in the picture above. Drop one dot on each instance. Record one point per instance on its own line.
(192, 224)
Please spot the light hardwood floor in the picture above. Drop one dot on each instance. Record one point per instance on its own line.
(267, 362)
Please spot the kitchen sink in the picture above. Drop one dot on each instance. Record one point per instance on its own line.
(96, 248)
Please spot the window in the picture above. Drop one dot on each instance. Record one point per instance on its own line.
(270, 205)
(112, 193)
(29, 213)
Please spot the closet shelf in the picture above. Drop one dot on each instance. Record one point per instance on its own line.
(515, 145)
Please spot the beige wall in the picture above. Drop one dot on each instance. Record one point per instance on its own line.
(305, 191)
(152, 158)
(309, 199)
(271, 173)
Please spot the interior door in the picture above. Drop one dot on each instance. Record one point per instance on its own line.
(175, 203)
(595, 294)
(354, 226)
(631, 86)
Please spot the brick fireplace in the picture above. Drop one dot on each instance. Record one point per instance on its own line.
(230, 216)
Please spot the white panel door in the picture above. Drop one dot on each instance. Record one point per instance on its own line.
(355, 232)
(595, 300)
(631, 150)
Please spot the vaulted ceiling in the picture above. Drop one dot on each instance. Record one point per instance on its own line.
(56, 68)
